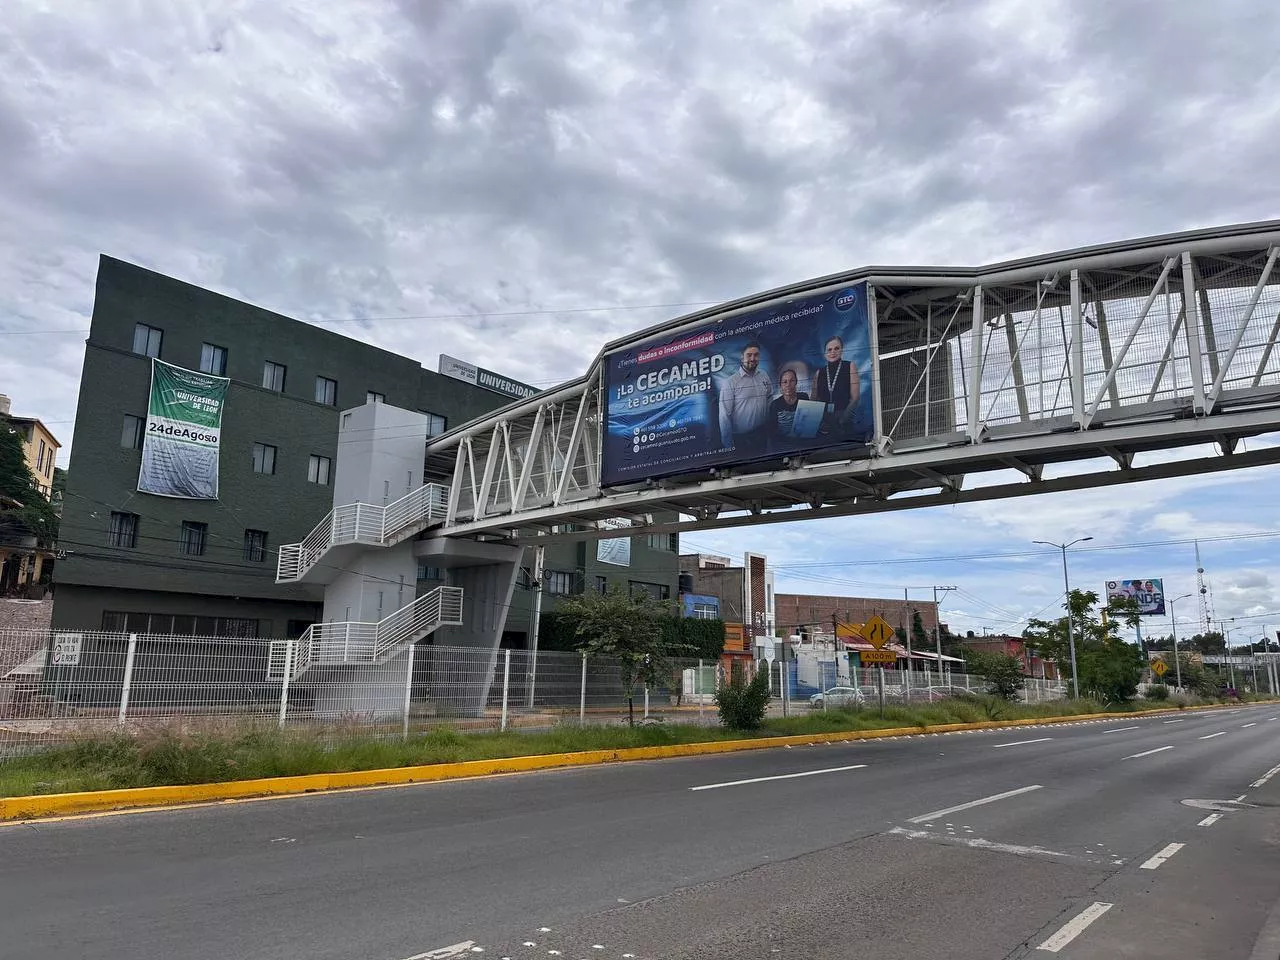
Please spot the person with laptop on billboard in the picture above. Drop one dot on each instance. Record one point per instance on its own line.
(744, 406)
(837, 385)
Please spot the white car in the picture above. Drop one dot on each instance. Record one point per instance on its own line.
(837, 697)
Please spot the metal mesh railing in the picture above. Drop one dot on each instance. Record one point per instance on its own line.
(57, 687)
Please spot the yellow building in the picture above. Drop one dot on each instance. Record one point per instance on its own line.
(20, 562)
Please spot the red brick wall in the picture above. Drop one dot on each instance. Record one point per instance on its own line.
(794, 610)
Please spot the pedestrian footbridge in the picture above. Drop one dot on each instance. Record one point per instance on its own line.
(897, 387)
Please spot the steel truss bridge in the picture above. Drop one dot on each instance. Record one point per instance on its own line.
(1078, 369)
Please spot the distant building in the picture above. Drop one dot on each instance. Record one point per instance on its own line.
(1033, 665)
(741, 596)
(22, 564)
(802, 612)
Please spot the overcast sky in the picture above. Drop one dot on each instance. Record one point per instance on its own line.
(549, 169)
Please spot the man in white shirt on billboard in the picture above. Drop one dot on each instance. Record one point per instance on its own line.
(744, 405)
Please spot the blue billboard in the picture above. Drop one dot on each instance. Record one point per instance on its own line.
(787, 379)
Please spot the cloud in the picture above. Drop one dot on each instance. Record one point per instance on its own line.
(388, 158)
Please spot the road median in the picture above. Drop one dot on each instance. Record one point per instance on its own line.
(43, 805)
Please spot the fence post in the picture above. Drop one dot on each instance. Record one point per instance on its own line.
(408, 689)
(284, 685)
(582, 695)
(506, 685)
(128, 676)
(697, 686)
(646, 701)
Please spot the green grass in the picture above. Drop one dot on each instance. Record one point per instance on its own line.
(173, 756)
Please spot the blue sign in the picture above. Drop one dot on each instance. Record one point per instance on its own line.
(787, 379)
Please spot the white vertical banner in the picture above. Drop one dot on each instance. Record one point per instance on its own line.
(616, 551)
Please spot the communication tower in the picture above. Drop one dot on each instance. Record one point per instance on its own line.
(1205, 595)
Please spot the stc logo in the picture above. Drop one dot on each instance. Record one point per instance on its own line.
(846, 300)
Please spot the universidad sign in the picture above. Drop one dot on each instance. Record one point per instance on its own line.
(785, 379)
(184, 430)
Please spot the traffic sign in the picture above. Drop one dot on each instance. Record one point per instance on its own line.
(66, 650)
(848, 631)
(877, 631)
(1158, 667)
(878, 656)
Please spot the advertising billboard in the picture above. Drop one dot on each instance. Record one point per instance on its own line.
(785, 379)
(1148, 593)
(183, 433)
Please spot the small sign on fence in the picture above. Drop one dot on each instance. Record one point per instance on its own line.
(66, 649)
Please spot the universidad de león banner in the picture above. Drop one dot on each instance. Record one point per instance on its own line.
(786, 379)
(183, 433)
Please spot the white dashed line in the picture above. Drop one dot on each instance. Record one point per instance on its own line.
(1179, 720)
(444, 953)
(1074, 927)
(1019, 743)
(781, 776)
(1146, 753)
(1210, 820)
(1162, 856)
(1119, 729)
(1248, 725)
(1261, 781)
(978, 843)
(1220, 733)
(936, 814)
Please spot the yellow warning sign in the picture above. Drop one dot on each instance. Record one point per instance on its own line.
(877, 631)
(878, 656)
(1158, 667)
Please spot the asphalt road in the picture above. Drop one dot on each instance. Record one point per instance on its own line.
(974, 845)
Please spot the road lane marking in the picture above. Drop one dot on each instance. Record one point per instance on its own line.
(1210, 820)
(443, 953)
(973, 803)
(1162, 856)
(781, 776)
(1248, 725)
(978, 843)
(1220, 733)
(1261, 781)
(1074, 927)
(1146, 753)
(1119, 729)
(1179, 720)
(1019, 743)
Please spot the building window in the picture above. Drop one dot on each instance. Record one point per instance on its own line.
(374, 397)
(318, 469)
(213, 359)
(436, 424)
(602, 584)
(273, 376)
(146, 340)
(657, 591)
(131, 432)
(559, 582)
(264, 458)
(705, 611)
(193, 538)
(179, 625)
(327, 391)
(668, 542)
(40, 458)
(430, 573)
(255, 545)
(124, 529)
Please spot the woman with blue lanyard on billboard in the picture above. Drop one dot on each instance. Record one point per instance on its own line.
(837, 385)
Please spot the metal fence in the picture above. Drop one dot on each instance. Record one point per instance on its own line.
(59, 686)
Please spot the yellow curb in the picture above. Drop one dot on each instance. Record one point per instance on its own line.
(60, 804)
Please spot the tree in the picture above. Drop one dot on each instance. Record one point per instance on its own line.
(1211, 642)
(1002, 672)
(918, 637)
(630, 628)
(23, 504)
(1109, 668)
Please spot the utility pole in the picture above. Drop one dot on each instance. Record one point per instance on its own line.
(937, 625)
(1066, 587)
(1173, 622)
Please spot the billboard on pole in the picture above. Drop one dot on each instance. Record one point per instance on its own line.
(1148, 593)
(184, 430)
(790, 378)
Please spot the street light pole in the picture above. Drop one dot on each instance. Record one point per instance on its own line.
(1173, 621)
(1066, 587)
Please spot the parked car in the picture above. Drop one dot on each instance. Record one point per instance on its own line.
(838, 697)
